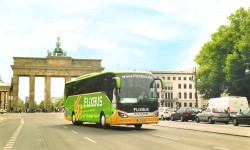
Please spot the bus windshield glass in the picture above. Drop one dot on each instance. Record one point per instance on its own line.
(136, 88)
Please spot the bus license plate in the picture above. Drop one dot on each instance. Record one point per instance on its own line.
(140, 120)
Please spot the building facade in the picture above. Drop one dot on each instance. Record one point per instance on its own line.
(180, 89)
(4, 95)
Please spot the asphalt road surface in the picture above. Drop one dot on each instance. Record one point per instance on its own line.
(49, 131)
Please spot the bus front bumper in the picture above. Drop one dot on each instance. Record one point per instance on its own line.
(117, 120)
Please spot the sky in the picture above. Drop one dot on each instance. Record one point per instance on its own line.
(155, 35)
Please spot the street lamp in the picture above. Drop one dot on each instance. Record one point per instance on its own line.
(247, 69)
(248, 63)
(195, 82)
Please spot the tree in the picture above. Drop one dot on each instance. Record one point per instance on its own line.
(59, 103)
(27, 104)
(41, 105)
(21, 105)
(222, 60)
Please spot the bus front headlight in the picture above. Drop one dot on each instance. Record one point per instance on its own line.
(122, 114)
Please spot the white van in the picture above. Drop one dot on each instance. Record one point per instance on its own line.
(233, 104)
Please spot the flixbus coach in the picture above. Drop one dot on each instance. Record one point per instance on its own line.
(113, 98)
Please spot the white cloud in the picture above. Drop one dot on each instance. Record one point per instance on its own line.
(120, 32)
(100, 44)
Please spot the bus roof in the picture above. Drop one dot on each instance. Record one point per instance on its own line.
(85, 76)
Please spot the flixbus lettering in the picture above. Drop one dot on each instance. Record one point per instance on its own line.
(93, 101)
(141, 109)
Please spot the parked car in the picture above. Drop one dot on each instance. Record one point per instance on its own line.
(165, 112)
(185, 114)
(2, 111)
(212, 115)
(242, 117)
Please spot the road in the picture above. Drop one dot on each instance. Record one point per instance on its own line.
(46, 131)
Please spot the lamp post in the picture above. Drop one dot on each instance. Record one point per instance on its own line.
(195, 82)
(247, 69)
(248, 63)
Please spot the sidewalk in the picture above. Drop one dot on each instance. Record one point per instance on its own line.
(230, 129)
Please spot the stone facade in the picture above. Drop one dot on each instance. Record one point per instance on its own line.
(51, 66)
(5, 95)
(180, 87)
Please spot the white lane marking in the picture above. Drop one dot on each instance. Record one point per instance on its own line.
(12, 140)
(221, 148)
(64, 127)
(165, 137)
(90, 139)
(74, 131)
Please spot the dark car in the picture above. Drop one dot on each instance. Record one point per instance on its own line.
(242, 117)
(185, 114)
(212, 115)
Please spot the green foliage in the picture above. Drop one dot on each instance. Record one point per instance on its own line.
(27, 104)
(59, 103)
(41, 105)
(222, 60)
(21, 105)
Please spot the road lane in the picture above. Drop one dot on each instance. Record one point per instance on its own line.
(51, 131)
(8, 126)
(11, 142)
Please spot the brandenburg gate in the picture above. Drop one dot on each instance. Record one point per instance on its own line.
(56, 65)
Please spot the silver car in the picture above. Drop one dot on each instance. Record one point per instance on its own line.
(212, 115)
(2, 111)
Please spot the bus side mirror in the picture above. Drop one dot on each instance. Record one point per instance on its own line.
(163, 85)
(117, 82)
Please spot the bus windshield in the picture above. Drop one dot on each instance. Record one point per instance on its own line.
(136, 88)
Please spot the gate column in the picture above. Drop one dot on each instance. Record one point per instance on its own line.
(32, 93)
(47, 93)
(1, 101)
(14, 103)
(8, 101)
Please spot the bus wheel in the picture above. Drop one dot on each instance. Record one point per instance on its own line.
(103, 121)
(73, 118)
(138, 126)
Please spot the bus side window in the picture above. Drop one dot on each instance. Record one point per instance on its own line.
(114, 98)
(109, 85)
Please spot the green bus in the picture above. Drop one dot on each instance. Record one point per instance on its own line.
(113, 98)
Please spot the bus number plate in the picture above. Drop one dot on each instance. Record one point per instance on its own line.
(140, 120)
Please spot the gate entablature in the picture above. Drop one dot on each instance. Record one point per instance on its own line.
(54, 66)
